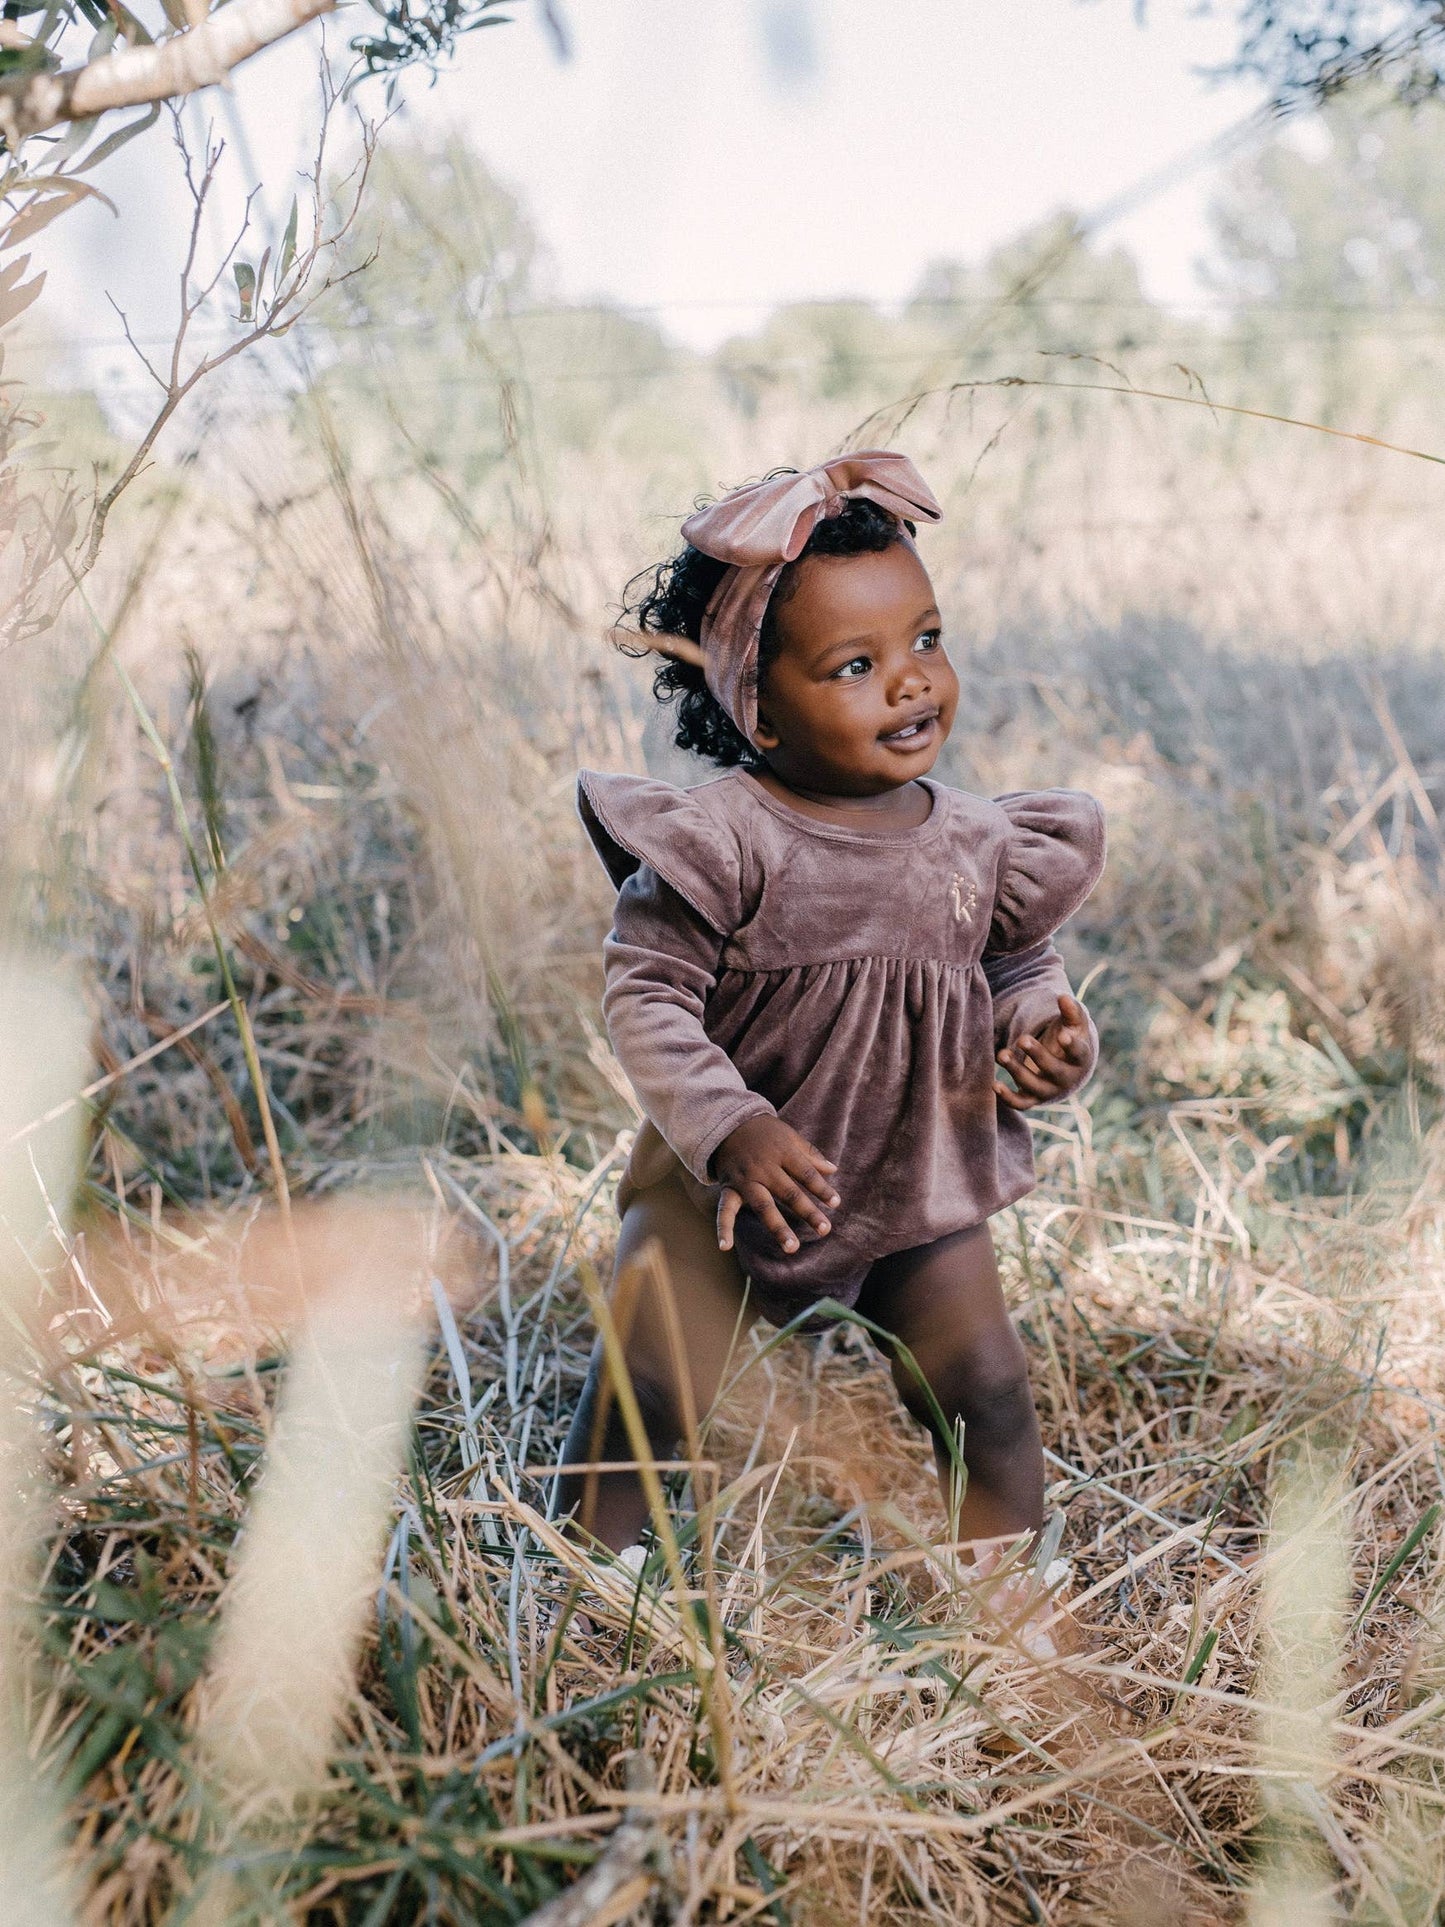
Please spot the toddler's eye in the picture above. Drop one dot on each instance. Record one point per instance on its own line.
(930, 639)
(850, 671)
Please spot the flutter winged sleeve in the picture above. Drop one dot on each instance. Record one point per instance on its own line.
(678, 870)
(1053, 857)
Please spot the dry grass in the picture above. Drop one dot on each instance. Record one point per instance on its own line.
(1233, 1264)
(890, 1753)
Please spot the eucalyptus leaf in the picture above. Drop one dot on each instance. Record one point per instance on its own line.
(21, 60)
(115, 141)
(423, 35)
(48, 205)
(79, 131)
(288, 246)
(15, 301)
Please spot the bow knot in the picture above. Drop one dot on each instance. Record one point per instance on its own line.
(759, 529)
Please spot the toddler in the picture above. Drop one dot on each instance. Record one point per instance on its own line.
(815, 964)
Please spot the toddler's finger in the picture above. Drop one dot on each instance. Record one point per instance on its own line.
(1016, 1100)
(793, 1198)
(819, 1186)
(1073, 1012)
(1040, 1058)
(1027, 1078)
(1017, 1061)
(760, 1200)
(1075, 1043)
(728, 1207)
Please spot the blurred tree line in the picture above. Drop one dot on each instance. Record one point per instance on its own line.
(1308, 51)
(454, 337)
(1326, 291)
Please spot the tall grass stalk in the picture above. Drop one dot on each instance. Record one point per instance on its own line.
(223, 960)
(1302, 1620)
(42, 1063)
(203, 886)
(705, 1651)
(282, 1672)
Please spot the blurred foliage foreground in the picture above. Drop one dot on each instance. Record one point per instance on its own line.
(306, 824)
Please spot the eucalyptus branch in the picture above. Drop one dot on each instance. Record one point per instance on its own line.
(200, 57)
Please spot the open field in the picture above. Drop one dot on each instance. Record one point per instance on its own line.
(377, 678)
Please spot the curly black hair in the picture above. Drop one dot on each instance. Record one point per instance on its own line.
(671, 600)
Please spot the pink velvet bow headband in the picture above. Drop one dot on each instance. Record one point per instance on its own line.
(758, 530)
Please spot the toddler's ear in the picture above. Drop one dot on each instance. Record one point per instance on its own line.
(765, 736)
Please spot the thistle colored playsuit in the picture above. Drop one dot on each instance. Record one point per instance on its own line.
(855, 982)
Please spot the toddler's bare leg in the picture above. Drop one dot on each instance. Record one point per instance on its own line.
(708, 1290)
(945, 1303)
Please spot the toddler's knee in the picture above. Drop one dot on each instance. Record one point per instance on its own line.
(658, 1406)
(985, 1386)
(655, 1402)
(996, 1394)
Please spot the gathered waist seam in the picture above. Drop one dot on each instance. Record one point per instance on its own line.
(835, 963)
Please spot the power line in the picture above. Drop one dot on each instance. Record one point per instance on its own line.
(133, 383)
(889, 313)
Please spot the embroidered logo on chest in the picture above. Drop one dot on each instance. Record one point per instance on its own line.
(963, 895)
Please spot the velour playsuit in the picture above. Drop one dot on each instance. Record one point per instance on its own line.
(857, 982)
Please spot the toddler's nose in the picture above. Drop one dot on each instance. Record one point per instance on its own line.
(909, 684)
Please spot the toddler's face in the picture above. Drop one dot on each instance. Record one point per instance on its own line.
(861, 697)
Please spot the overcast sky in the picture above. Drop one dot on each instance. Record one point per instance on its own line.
(709, 158)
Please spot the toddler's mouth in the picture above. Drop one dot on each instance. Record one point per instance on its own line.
(913, 734)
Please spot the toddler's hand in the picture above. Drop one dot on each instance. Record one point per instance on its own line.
(1049, 1066)
(763, 1164)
